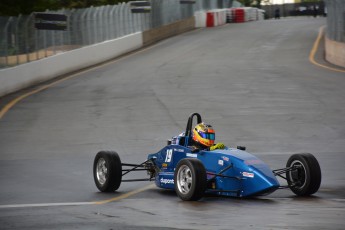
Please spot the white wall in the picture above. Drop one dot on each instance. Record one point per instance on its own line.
(21, 76)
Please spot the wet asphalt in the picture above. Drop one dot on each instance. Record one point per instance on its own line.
(253, 82)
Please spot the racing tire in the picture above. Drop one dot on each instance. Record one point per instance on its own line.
(305, 180)
(107, 171)
(190, 179)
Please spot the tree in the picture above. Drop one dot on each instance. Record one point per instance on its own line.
(311, 1)
(25, 7)
(256, 3)
(246, 2)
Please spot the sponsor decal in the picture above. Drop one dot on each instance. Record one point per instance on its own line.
(179, 150)
(164, 165)
(167, 181)
(191, 155)
(253, 162)
(247, 174)
(221, 162)
(225, 158)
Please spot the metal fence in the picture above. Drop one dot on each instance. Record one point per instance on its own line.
(20, 42)
(336, 20)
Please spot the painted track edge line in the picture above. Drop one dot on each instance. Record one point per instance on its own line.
(126, 195)
(117, 198)
(13, 102)
(44, 205)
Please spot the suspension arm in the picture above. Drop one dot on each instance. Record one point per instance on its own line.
(136, 167)
(220, 174)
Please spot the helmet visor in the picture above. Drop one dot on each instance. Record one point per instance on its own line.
(209, 136)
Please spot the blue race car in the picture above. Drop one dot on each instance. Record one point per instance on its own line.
(228, 172)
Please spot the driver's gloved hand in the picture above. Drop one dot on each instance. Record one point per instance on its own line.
(217, 146)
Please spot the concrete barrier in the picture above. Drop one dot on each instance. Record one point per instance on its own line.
(244, 14)
(154, 35)
(216, 17)
(22, 76)
(335, 52)
(210, 18)
(200, 19)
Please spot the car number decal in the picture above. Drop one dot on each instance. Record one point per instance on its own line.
(169, 155)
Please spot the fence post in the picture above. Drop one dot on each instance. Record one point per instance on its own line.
(27, 38)
(122, 20)
(107, 22)
(95, 25)
(84, 29)
(16, 38)
(117, 22)
(130, 19)
(101, 25)
(89, 24)
(111, 21)
(6, 39)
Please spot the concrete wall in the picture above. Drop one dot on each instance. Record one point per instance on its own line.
(154, 35)
(335, 52)
(25, 75)
(21, 76)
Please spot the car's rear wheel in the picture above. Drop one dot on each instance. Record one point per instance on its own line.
(107, 171)
(190, 179)
(305, 177)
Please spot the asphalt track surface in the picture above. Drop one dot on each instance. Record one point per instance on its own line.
(253, 82)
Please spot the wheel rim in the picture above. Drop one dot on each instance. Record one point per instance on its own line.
(101, 171)
(184, 179)
(298, 175)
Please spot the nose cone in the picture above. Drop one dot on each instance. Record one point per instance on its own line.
(258, 181)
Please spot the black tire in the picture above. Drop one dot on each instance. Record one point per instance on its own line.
(107, 171)
(305, 180)
(195, 187)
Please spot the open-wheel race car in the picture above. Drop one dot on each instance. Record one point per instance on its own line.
(228, 172)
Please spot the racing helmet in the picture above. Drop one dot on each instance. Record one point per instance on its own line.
(204, 134)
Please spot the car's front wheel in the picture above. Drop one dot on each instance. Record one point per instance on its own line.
(107, 171)
(190, 179)
(305, 177)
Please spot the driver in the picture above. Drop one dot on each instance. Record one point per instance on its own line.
(203, 138)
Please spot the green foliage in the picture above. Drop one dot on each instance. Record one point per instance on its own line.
(25, 7)
(311, 1)
(255, 3)
(246, 2)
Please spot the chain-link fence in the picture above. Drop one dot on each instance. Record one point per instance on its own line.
(20, 42)
(336, 20)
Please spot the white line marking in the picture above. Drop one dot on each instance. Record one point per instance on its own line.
(44, 205)
(123, 196)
